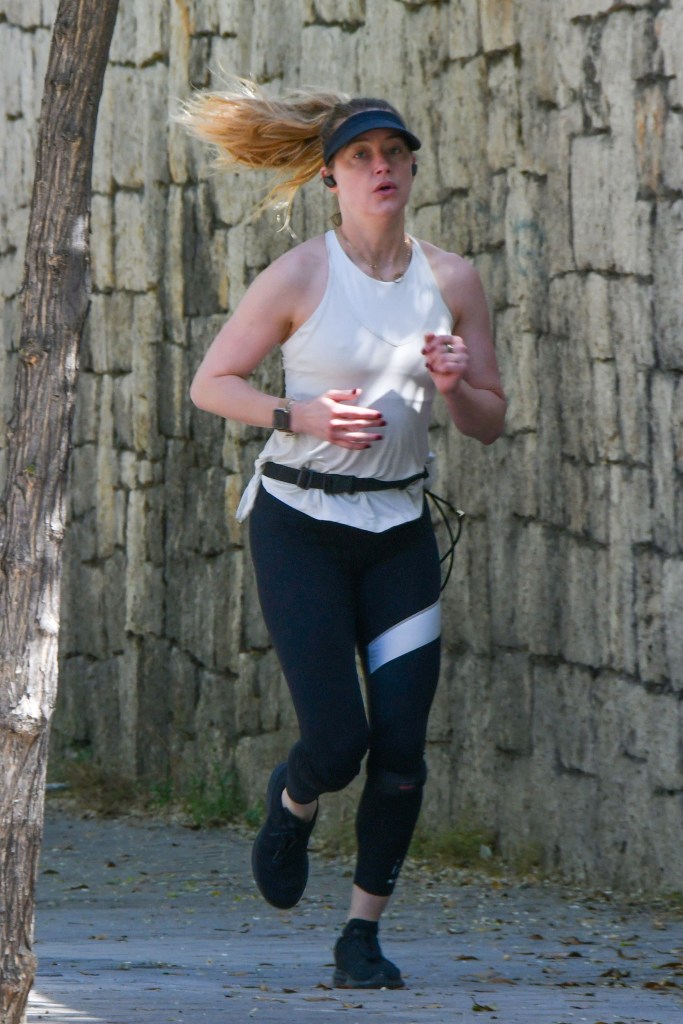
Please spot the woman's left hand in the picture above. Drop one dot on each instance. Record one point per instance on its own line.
(447, 359)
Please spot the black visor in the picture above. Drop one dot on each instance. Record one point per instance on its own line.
(365, 121)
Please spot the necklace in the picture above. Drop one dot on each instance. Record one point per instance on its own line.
(374, 267)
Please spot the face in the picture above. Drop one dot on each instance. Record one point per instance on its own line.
(373, 170)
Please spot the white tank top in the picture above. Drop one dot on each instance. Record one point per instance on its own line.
(365, 334)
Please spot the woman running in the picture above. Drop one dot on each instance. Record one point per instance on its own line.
(371, 324)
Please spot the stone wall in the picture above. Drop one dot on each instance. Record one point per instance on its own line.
(553, 158)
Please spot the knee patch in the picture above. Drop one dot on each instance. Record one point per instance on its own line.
(398, 783)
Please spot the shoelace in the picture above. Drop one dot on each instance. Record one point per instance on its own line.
(289, 838)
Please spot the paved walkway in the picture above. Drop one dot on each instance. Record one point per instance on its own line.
(144, 923)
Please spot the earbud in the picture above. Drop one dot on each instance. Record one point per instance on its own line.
(413, 169)
(328, 180)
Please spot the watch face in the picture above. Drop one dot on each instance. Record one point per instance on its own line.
(281, 419)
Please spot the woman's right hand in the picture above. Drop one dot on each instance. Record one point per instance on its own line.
(332, 419)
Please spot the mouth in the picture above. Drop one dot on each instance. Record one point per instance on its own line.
(385, 187)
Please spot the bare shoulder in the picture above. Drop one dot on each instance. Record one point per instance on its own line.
(295, 281)
(457, 278)
(300, 266)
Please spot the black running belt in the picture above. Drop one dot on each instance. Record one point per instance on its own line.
(335, 483)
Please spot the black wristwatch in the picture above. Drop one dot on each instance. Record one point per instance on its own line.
(282, 417)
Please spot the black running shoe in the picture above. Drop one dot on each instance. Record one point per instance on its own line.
(359, 961)
(279, 857)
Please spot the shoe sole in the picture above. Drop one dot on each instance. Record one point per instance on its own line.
(341, 979)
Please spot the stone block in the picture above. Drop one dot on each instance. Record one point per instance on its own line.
(607, 433)
(498, 28)
(595, 8)
(255, 757)
(137, 241)
(146, 438)
(350, 14)
(183, 684)
(215, 718)
(84, 428)
(672, 161)
(145, 600)
(246, 693)
(274, 699)
(583, 604)
(226, 56)
(139, 158)
(103, 154)
(580, 311)
(438, 791)
(141, 33)
(651, 639)
(669, 32)
(512, 694)
(462, 133)
(611, 225)
(102, 243)
(23, 13)
(174, 384)
(578, 416)
(525, 241)
(86, 629)
(672, 602)
(668, 295)
(663, 461)
(650, 137)
(12, 262)
(464, 32)
(114, 602)
(586, 490)
(104, 486)
(82, 472)
(514, 462)
(467, 611)
(516, 352)
(503, 113)
(538, 588)
(275, 40)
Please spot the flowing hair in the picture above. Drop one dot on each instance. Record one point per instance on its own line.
(284, 135)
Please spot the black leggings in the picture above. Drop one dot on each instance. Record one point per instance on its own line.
(327, 591)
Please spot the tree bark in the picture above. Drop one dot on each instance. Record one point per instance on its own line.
(55, 299)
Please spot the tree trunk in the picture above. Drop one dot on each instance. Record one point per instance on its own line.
(54, 306)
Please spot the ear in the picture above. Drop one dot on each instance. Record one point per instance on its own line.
(328, 179)
(413, 169)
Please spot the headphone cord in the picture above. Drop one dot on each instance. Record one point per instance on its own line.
(453, 529)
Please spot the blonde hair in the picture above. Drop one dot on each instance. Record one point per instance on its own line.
(284, 135)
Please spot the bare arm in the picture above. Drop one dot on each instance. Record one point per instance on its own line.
(278, 301)
(463, 366)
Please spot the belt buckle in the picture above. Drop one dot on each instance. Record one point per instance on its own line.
(304, 478)
(337, 483)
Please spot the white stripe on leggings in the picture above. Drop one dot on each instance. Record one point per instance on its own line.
(413, 632)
